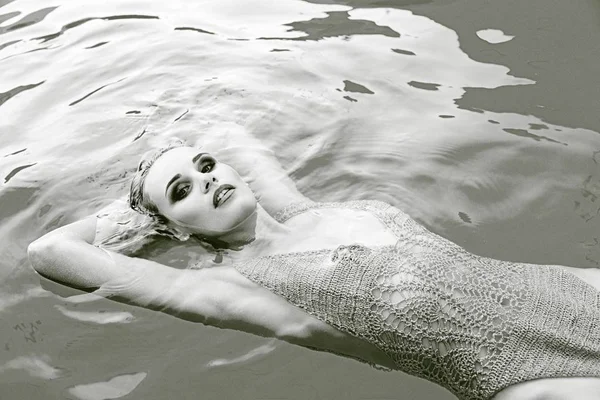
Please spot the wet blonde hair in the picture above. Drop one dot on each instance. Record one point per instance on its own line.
(138, 200)
(158, 223)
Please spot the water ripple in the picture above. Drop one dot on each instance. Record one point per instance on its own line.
(250, 355)
(350, 86)
(525, 133)
(337, 108)
(94, 91)
(187, 28)
(404, 52)
(337, 23)
(5, 2)
(424, 85)
(3, 45)
(16, 171)
(6, 17)
(15, 152)
(97, 317)
(28, 20)
(115, 388)
(35, 366)
(80, 22)
(374, 4)
(97, 45)
(4, 97)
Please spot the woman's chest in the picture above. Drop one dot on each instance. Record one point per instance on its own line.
(318, 229)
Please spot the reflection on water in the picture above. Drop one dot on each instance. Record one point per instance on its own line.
(4, 97)
(36, 367)
(92, 92)
(75, 24)
(259, 351)
(16, 171)
(115, 388)
(494, 36)
(339, 24)
(27, 20)
(98, 317)
(185, 28)
(8, 299)
(525, 133)
(374, 3)
(358, 99)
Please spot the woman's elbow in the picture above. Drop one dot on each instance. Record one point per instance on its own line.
(41, 254)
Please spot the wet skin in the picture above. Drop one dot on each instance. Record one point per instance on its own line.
(198, 194)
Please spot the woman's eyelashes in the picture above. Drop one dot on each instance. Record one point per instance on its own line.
(206, 163)
(183, 189)
(206, 167)
(180, 192)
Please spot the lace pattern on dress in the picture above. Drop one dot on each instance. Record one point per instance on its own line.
(471, 324)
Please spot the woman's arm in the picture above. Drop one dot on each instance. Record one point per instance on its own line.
(255, 163)
(216, 296)
(68, 256)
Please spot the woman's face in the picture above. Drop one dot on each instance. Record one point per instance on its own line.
(194, 191)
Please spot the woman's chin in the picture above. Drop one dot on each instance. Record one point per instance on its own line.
(241, 229)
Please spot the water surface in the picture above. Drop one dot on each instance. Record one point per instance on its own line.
(492, 145)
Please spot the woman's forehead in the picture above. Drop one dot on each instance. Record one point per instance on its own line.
(181, 151)
(179, 155)
(172, 162)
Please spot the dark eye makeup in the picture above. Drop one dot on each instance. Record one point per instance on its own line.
(206, 163)
(206, 167)
(180, 191)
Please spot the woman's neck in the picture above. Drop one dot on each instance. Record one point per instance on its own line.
(258, 230)
(267, 227)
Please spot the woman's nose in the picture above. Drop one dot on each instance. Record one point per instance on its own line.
(207, 182)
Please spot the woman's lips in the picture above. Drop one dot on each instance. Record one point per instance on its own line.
(222, 194)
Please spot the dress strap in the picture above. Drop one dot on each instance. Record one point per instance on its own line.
(294, 209)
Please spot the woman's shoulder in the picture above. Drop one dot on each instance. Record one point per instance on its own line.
(379, 208)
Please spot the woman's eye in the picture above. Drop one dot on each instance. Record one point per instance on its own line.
(180, 192)
(207, 168)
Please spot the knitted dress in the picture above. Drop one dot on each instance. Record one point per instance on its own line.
(472, 324)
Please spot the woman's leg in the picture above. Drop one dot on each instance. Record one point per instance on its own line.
(553, 389)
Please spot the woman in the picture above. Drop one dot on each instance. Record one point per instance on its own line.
(359, 279)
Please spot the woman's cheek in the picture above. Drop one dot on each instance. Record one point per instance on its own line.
(191, 212)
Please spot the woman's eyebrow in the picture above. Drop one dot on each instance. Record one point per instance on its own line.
(197, 157)
(173, 179)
